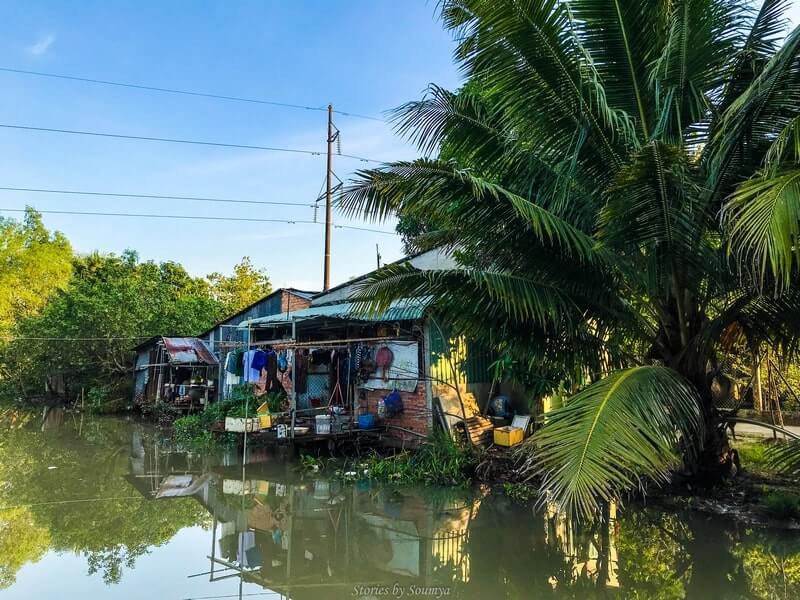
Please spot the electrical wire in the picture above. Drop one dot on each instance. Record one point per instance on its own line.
(196, 218)
(73, 339)
(153, 196)
(179, 141)
(151, 88)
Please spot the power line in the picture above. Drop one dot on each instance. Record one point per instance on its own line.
(153, 196)
(178, 141)
(74, 339)
(195, 218)
(151, 88)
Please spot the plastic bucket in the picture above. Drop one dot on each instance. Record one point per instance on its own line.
(322, 424)
(366, 421)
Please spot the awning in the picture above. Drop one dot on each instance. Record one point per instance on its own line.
(405, 309)
(188, 350)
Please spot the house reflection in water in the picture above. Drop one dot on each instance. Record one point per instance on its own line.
(304, 536)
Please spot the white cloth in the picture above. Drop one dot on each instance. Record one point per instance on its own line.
(403, 375)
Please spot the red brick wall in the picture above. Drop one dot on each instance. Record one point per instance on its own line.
(291, 302)
(415, 415)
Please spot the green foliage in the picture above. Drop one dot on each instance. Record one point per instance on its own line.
(611, 435)
(782, 505)
(192, 432)
(246, 286)
(161, 412)
(519, 492)
(616, 184)
(440, 461)
(109, 303)
(34, 264)
(310, 463)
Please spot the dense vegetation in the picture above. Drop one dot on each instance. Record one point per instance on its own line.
(619, 183)
(73, 319)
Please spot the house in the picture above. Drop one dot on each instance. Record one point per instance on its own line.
(279, 301)
(178, 370)
(351, 364)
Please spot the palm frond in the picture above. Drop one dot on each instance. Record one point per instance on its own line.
(441, 191)
(615, 435)
(763, 216)
(784, 457)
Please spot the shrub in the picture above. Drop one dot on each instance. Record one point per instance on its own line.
(519, 492)
(192, 432)
(440, 461)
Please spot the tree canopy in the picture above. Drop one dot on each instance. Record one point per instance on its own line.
(617, 182)
(244, 287)
(34, 263)
(77, 317)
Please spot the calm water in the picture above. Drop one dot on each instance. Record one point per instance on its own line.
(108, 508)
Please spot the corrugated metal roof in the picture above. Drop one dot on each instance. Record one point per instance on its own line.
(188, 350)
(405, 309)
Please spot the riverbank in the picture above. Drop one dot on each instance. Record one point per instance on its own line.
(757, 495)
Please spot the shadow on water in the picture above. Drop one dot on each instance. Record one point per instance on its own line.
(116, 493)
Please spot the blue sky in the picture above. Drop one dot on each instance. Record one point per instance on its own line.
(363, 56)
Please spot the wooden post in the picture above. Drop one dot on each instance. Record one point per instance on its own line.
(758, 399)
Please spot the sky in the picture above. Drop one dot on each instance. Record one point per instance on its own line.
(364, 56)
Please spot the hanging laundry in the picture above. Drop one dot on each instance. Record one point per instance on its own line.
(261, 385)
(259, 360)
(320, 357)
(301, 371)
(234, 363)
(251, 374)
(273, 383)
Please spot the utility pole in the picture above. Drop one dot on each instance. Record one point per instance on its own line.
(378, 255)
(326, 281)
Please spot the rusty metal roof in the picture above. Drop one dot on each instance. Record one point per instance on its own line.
(188, 350)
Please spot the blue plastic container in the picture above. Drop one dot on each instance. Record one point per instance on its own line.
(366, 421)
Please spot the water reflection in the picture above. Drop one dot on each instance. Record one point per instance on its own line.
(116, 493)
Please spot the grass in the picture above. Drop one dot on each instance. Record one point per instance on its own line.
(753, 456)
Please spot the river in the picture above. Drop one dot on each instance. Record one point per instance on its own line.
(109, 508)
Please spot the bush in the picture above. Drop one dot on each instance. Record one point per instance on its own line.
(440, 461)
(782, 505)
(162, 413)
(192, 432)
(519, 492)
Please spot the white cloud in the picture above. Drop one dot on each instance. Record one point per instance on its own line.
(42, 45)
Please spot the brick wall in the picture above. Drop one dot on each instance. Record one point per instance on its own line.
(289, 301)
(415, 415)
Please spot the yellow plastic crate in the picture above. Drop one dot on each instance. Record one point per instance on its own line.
(508, 436)
(265, 421)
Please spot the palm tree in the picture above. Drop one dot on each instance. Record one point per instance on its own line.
(619, 183)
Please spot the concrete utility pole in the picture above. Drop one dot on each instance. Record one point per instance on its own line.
(326, 280)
